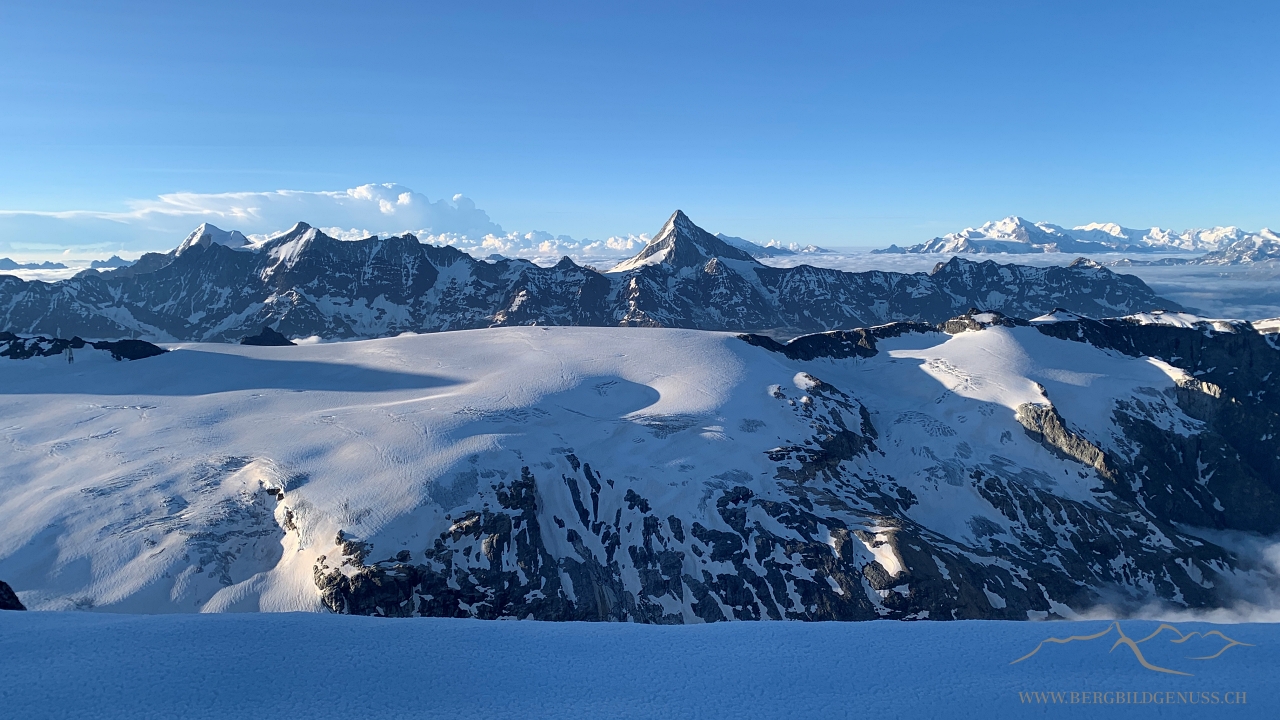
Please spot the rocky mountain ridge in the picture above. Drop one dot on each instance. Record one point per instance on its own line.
(217, 286)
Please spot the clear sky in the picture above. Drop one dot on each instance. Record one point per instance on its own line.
(847, 123)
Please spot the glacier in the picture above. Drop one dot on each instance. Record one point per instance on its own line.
(987, 468)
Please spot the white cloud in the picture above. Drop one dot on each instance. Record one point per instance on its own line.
(172, 215)
(384, 206)
(375, 209)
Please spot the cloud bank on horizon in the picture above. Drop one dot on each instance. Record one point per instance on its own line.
(374, 209)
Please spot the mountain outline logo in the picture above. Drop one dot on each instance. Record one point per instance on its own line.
(1132, 644)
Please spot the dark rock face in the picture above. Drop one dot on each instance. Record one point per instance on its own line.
(267, 338)
(1046, 426)
(8, 598)
(838, 344)
(20, 348)
(305, 283)
(129, 349)
(1227, 476)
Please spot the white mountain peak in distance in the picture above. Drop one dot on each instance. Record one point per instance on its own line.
(1018, 235)
(773, 248)
(680, 243)
(756, 250)
(208, 233)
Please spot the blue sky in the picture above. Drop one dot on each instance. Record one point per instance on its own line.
(833, 123)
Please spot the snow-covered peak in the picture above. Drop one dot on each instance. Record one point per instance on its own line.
(1011, 227)
(287, 247)
(1155, 238)
(1015, 234)
(1011, 235)
(772, 248)
(1058, 315)
(1111, 229)
(208, 234)
(1249, 248)
(1186, 320)
(680, 243)
(299, 228)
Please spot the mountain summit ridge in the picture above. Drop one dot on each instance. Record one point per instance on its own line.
(305, 283)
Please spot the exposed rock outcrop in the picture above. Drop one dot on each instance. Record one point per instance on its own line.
(837, 344)
(8, 598)
(1046, 426)
(15, 347)
(268, 337)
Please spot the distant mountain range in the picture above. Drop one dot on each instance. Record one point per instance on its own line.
(115, 261)
(1261, 247)
(219, 286)
(773, 248)
(1015, 235)
(7, 264)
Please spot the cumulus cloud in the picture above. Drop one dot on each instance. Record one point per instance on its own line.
(163, 221)
(375, 209)
(544, 248)
(388, 207)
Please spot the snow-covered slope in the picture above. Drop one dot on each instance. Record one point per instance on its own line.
(662, 476)
(338, 668)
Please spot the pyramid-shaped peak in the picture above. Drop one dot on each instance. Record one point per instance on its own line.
(681, 243)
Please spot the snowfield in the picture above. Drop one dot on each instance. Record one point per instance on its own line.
(73, 665)
(216, 477)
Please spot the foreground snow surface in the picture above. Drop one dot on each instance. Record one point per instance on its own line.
(82, 665)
